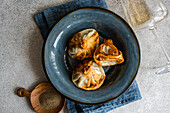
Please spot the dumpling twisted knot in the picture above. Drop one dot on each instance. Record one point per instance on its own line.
(107, 54)
(88, 75)
(83, 44)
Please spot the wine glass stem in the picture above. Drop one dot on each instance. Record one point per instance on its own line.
(166, 54)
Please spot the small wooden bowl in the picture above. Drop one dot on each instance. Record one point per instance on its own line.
(36, 94)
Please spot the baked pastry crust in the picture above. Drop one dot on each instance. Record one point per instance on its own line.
(107, 54)
(83, 44)
(88, 75)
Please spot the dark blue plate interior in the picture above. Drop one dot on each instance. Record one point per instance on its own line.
(59, 65)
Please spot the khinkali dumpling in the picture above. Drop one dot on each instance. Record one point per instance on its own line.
(83, 44)
(88, 75)
(107, 54)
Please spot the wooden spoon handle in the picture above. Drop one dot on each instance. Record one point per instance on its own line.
(23, 92)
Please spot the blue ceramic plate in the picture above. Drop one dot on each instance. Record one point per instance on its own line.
(59, 65)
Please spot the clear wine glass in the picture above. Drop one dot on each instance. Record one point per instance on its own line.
(146, 14)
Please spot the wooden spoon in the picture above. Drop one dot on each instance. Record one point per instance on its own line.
(44, 98)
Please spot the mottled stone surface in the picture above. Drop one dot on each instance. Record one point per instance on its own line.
(20, 58)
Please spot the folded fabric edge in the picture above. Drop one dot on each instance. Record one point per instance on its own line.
(70, 104)
(106, 108)
(101, 4)
(42, 19)
(39, 18)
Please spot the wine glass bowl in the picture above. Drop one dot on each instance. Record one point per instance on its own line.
(146, 14)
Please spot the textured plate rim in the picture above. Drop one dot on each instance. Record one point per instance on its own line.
(131, 31)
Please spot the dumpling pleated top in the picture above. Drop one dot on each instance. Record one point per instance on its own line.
(88, 75)
(83, 44)
(107, 54)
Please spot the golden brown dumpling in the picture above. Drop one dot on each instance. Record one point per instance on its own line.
(83, 44)
(88, 75)
(107, 54)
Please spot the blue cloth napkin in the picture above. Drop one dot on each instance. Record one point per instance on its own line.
(129, 96)
(47, 19)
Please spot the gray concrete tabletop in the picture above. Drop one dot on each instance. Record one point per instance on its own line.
(20, 58)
